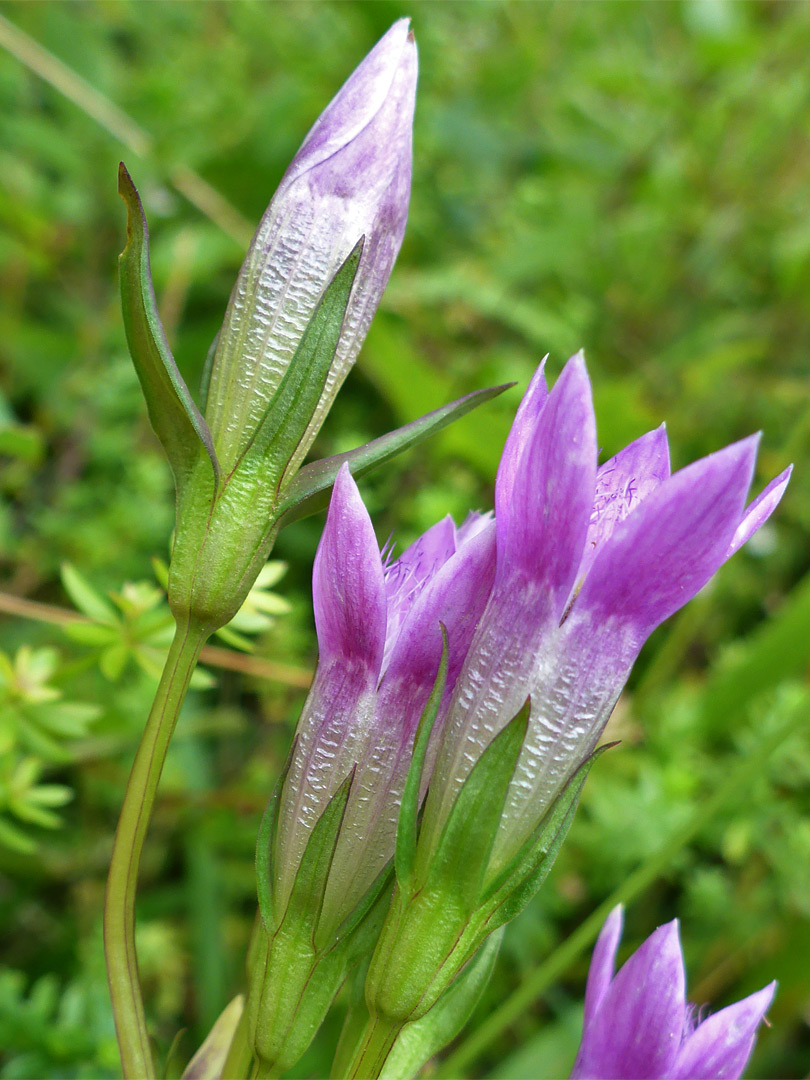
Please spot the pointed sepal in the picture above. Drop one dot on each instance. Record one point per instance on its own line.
(265, 846)
(309, 491)
(293, 405)
(177, 421)
(512, 889)
(407, 825)
(306, 897)
(473, 822)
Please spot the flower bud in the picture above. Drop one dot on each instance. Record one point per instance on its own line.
(299, 311)
(350, 179)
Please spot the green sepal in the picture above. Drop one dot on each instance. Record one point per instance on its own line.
(294, 981)
(422, 1039)
(308, 890)
(208, 367)
(407, 824)
(326, 935)
(177, 421)
(265, 845)
(291, 408)
(474, 820)
(514, 886)
(309, 491)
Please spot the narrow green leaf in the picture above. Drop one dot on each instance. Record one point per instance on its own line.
(177, 421)
(290, 410)
(84, 596)
(421, 1040)
(458, 865)
(309, 491)
(405, 854)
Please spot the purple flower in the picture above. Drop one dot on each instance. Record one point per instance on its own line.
(351, 178)
(589, 561)
(638, 1024)
(380, 644)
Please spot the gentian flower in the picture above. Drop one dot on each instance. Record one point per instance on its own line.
(329, 834)
(351, 178)
(590, 561)
(297, 316)
(638, 1023)
(379, 644)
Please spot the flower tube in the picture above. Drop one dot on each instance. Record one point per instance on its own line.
(380, 646)
(638, 1023)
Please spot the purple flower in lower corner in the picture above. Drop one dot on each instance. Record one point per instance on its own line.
(638, 1023)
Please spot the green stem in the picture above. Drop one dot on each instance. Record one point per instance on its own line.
(119, 904)
(375, 1046)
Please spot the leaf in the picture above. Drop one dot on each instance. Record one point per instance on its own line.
(309, 491)
(177, 421)
(405, 854)
(459, 862)
(285, 422)
(85, 597)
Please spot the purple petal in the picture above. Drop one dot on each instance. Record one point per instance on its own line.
(637, 1029)
(456, 595)
(408, 575)
(622, 483)
(474, 523)
(355, 105)
(661, 555)
(720, 1047)
(520, 434)
(351, 178)
(758, 512)
(603, 961)
(543, 512)
(348, 590)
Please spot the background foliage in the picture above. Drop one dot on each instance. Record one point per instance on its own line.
(628, 177)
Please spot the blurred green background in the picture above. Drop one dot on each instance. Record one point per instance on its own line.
(631, 178)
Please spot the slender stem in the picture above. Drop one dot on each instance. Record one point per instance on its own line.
(374, 1048)
(119, 904)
